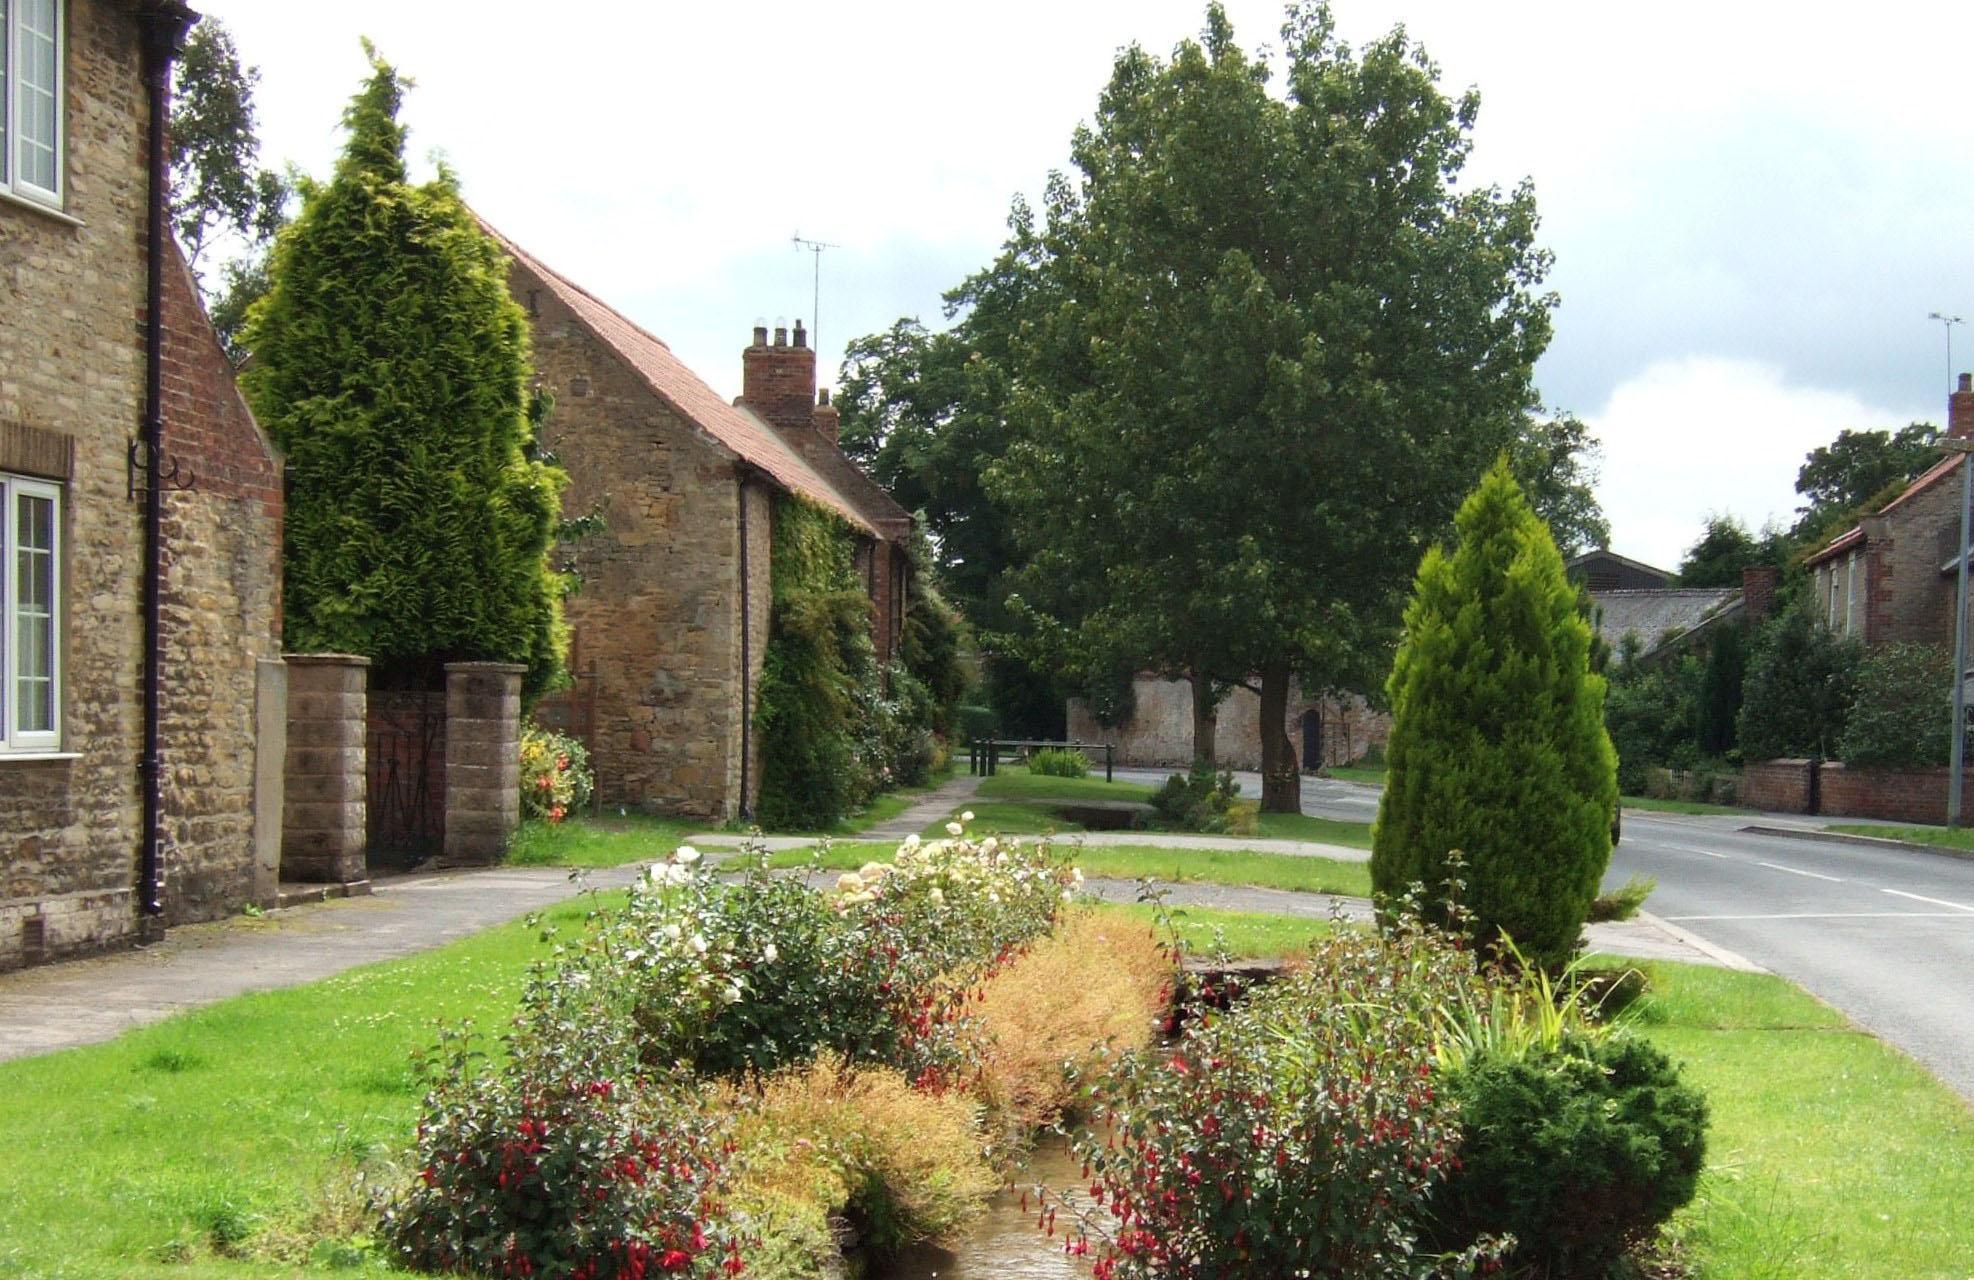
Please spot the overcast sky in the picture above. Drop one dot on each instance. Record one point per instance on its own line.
(1753, 207)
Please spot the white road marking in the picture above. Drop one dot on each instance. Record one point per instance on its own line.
(1680, 848)
(1839, 915)
(1938, 902)
(1798, 871)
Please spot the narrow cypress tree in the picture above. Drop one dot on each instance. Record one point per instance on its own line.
(392, 367)
(1498, 746)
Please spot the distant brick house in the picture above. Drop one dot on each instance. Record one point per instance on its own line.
(671, 624)
(1893, 577)
(1606, 570)
(76, 367)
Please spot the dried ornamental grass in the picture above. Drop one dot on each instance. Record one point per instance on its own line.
(902, 1164)
(1096, 983)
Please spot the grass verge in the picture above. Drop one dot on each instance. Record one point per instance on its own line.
(1136, 862)
(1653, 805)
(596, 842)
(1940, 837)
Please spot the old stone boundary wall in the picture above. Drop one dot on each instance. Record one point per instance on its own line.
(1159, 732)
(1834, 790)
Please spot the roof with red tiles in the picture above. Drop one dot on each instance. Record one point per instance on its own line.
(736, 428)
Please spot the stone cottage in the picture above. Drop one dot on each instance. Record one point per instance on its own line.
(1159, 729)
(141, 530)
(1894, 576)
(671, 623)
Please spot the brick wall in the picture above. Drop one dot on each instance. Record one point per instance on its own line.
(1160, 730)
(1900, 795)
(657, 615)
(1777, 786)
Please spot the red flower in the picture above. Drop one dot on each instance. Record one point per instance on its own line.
(674, 1260)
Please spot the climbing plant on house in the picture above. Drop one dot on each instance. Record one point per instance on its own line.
(393, 368)
(818, 677)
(1498, 747)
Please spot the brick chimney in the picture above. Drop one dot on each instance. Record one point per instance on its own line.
(1758, 584)
(826, 420)
(778, 381)
(1960, 410)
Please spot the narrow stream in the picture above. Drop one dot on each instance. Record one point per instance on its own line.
(1005, 1242)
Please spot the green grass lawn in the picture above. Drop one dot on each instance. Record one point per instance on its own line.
(1016, 802)
(1358, 773)
(228, 1130)
(1242, 935)
(1958, 838)
(1302, 826)
(1019, 784)
(223, 1143)
(597, 842)
(1136, 862)
(1678, 806)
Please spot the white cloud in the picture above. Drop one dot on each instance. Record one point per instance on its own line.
(1687, 438)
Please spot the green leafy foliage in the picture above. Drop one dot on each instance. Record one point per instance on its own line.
(819, 677)
(1651, 710)
(1201, 800)
(1801, 681)
(1498, 747)
(1299, 1134)
(1059, 762)
(556, 780)
(1902, 711)
(1858, 472)
(1720, 689)
(216, 184)
(1579, 1153)
(392, 368)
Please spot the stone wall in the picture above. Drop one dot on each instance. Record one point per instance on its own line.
(1159, 732)
(71, 397)
(483, 760)
(657, 615)
(325, 828)
(1779, 786)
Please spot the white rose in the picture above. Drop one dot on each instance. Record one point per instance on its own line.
(967, 816)
(732, 993)
(699, 943)
(872, 871)
(686, 855)
(673, 932)
(849, 882)
(911, 841)
(954, 828)
(769, 954)
(938, 898)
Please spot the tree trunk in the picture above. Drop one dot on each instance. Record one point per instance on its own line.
(1206, 722)
(1281, 780)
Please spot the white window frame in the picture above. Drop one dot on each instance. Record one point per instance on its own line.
(11, 181)
(13, 739)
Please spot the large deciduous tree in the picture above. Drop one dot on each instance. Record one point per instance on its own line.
(1266, 344)
(1498, 747)
(392, 367)
(1857, 472)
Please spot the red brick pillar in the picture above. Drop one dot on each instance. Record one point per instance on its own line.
(324, 813)
(483, 760)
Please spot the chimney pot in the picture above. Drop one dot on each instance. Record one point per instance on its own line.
(801, 335)
(760, 335)
(781, 336)
(822, 397)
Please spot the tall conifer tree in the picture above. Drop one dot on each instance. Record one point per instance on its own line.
(1498, 746)
(393, 368)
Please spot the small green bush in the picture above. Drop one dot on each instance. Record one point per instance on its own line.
(1623, 902)
(1201, 801)
(1580, 1154)
(1059, 762)
(1802, 678)
(975, 722)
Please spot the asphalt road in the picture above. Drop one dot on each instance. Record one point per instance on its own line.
(1885, 935)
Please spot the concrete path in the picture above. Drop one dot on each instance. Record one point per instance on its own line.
(83, 1002)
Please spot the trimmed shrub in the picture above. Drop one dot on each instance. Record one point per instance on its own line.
(1802, 678)
(1902, 714)
(392, 368)
(975, 722)
(1059, 762)
(555, 775)
(1498, 747)
(1580, 1154)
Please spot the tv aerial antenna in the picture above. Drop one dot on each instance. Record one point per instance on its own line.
(815, 247)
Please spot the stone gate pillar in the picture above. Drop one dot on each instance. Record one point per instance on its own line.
(483, 760)
(324, 817)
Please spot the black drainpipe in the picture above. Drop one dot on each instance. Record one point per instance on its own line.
(164, 28)
(746, 656)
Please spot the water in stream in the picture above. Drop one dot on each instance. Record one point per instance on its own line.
(1005, 1243)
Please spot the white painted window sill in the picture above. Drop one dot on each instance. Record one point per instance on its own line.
(45, 210)
(31, 757)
